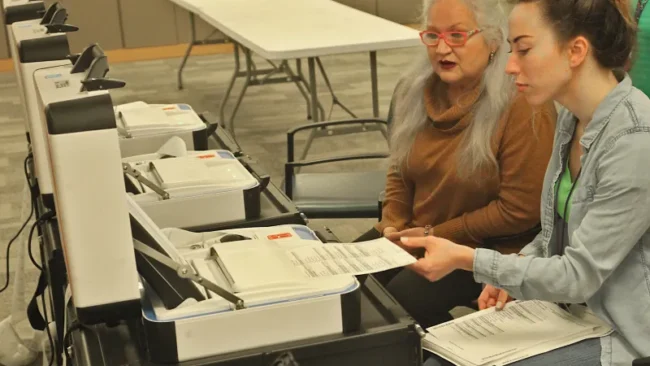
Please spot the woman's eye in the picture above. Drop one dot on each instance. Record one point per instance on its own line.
(524, 52)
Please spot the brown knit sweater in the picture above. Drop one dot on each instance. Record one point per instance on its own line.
(428, 191)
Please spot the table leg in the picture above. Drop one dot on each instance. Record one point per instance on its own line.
(297, 80)
(187, 52)
(375, 91)
(311, 64)
(313, 89)
(224, 100)
(247, 82)
(302, 79)
(335, 99)
(373, 82)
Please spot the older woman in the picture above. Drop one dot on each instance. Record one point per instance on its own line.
(468, 156)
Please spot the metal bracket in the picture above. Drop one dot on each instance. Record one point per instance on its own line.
(127, 169)
(285, 359)
(187, 272)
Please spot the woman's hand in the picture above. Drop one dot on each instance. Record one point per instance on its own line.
(388, 231)
(441, 256)
(395, 237)
(492, 296)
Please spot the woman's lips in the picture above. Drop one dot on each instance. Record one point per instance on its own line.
(447, 65)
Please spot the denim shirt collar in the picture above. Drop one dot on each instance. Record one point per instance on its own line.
(600, 119)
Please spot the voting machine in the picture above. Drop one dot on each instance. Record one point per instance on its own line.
(214, 293)
(144, 127)
(88, 187)
(39, 43)
(19, 10)
(182, 188)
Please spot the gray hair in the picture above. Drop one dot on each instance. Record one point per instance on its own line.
(496, 94)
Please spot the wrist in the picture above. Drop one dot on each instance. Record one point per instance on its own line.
(464, 257)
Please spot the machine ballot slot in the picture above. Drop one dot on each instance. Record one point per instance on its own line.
(229, 288)
(187, 189)
(143, 128)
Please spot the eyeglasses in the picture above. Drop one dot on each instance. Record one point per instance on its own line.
(452, 39)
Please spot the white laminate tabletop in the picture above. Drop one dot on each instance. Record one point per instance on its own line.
(288, 29)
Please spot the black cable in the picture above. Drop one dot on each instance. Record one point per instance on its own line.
(46, 216)
(75, 325)
(22, 227)
(29, 246)
(47, 329)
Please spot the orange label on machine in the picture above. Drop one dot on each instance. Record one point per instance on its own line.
(279, 236)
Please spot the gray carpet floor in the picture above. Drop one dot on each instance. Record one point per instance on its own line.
(266, 113)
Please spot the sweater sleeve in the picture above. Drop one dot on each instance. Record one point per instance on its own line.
(398, 201)
(523, 155)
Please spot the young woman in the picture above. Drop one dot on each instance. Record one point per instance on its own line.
(595, 241)
(468, 155)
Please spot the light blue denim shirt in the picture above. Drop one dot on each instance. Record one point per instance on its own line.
(606, 260)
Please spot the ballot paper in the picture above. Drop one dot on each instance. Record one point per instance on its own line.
(349, 259)
(522, 329)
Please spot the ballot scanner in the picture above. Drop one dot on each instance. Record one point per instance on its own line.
(144, 127)
(39, 43)
(189, 189)
(88, 187)
(19, 10)
(214, 293)
(33, 46)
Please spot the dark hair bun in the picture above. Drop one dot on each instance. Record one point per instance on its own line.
(606, 24)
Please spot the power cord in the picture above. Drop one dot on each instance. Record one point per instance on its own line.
(47, 329)
(75, 325)
(46, 216)
(22, 227)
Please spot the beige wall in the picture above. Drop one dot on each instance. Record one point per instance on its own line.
(400, 11)
(183, 30)
(369, 6)
(118, 24)
(4, 43)
(98, 22)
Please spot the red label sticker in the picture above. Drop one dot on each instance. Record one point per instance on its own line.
(279, 236)
(206, 156)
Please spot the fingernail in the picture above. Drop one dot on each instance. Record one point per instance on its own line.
(404, 239)
(499, 305)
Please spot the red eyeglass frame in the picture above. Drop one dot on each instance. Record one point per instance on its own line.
(443, 36)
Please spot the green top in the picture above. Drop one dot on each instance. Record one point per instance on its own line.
(640, 72)
(563, 191)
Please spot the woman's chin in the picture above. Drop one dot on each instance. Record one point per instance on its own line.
(448, 77)
(534, 99)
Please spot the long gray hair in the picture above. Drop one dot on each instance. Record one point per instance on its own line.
(497, 91)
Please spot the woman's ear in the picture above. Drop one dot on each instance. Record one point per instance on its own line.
(577, 50)
(494, 48)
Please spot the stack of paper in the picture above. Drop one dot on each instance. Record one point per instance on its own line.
(522, 329)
